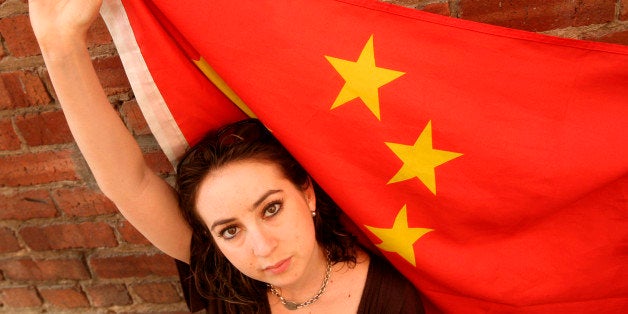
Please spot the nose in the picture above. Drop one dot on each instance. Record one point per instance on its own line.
(262, 242)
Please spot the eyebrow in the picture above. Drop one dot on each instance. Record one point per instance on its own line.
(255, 205)
(264, 196)
(221, 222)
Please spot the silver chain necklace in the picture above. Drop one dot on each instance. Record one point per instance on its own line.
(295, 306)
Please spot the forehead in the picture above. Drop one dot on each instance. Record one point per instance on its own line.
(237, 186)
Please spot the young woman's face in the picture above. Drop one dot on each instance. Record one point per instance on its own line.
(261, 222)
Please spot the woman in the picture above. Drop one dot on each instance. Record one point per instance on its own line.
(258, 233)
(242, 192)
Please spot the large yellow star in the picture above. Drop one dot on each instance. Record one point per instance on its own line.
(362, 78)
(420, 159)
(400, 238)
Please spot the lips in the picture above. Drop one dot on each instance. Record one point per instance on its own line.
(279, 267)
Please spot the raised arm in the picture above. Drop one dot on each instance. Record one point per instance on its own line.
(113, 155)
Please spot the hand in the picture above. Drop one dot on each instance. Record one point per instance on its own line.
(56, 21)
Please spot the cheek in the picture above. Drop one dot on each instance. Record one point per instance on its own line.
(238, 258)
(304, 234)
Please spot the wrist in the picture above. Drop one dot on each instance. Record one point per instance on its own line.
(60, 48)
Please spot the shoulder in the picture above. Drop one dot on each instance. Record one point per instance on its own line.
(388, 290)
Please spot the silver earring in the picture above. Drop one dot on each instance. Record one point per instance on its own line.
(313, 213)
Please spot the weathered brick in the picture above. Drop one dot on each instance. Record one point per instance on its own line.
(538, 15)
(66, 236)
(157, 292)
(160, 312)
(8, 241)
(133, 266)
(37, 168)
(98, 34)
(18, 36)
(83, 202)
(623, 11)
(406, 3)
(108, 295)
(8, 137)
(27, 205)
(438, 8)
(111, 75)
(158, 162)
(133, 118)
(52, 269)
(44, 128)
(614, 38)
(66, 298)
(19, 297)
(22, 89)
(130, 234)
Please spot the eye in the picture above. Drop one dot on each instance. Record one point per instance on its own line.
(272, 209)
(229, 232)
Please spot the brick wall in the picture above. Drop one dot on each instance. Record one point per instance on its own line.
(63, 246)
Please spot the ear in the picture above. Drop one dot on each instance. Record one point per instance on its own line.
(310, 195)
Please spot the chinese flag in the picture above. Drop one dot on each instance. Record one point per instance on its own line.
(489, 165)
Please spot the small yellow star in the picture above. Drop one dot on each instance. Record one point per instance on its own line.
(420, 159)
(400, 238)
(362, 78)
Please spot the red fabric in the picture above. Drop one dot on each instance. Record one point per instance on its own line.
(195, 104)
(531, 217)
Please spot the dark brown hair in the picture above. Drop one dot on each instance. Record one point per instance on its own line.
(215, 276)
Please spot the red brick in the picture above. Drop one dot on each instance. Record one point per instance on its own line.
(108, 295)
(134, 119)
(37, 168)
(83, 202)
(538, 15)
(130, 234)
(98, 34)
(44, 128)
(161, 312)
(405, 3)
(18, 36)
(66, 298)
(22, 89)
(27, 205)
(31, 269)
(8, 241)
(157, 292)
(133, 266)
(19, 297)
(614, 38)
(158, 162)
(623, 12)
(8, 137)
(111, 75)
(438, 8)
(66, 236)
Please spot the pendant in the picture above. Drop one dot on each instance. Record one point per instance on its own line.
(290, 305)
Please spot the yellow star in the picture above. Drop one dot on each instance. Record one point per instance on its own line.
(400, 238)
(420, 159)
(362, 78)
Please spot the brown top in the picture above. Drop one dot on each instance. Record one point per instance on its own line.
(385, 291)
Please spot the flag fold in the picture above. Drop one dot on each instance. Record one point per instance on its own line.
(489, 165)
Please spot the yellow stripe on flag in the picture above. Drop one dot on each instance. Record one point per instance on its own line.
(211, 74)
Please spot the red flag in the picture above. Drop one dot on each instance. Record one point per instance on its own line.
(488, 164)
